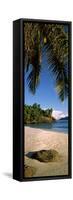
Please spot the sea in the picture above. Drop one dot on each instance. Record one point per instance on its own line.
(58, 126)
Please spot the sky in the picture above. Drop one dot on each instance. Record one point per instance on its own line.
(46, 94)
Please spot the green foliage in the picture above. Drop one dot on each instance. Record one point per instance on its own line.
(34, 114)
(52, 39)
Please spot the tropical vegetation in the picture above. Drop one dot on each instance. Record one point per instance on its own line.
(34, 114)
(52, 40)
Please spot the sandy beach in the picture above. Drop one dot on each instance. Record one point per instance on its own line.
(38, 139)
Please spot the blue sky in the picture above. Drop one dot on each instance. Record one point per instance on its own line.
(46, 94)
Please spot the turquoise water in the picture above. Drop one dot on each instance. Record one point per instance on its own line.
(58, 126)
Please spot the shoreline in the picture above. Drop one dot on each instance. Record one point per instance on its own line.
(47, 129)
(37, 139)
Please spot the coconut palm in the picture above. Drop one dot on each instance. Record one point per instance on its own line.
(52, 40)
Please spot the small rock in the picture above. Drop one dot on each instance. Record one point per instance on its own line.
(29, 171)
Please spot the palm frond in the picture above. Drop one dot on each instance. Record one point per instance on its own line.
(59, 71)
(51, 39)
(34, 78)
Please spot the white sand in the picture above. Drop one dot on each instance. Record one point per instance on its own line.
(38, 139)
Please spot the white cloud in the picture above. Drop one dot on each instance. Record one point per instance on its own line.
(57, 114)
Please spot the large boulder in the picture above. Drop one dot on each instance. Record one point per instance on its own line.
(50, 155)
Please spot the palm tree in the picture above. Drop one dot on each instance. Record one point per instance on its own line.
(52, 40)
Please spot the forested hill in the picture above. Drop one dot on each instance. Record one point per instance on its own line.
(34, 114)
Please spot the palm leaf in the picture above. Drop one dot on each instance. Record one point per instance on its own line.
(59, 71)
(53, 40)
(34, 78)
